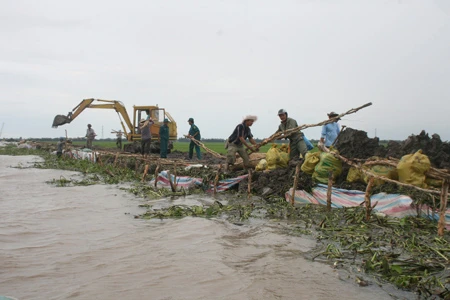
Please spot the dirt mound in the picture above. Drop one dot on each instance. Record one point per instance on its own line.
(437, 151)
(355, 144)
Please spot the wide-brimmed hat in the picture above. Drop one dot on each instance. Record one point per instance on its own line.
(333, 114)
(166, 120)
(191, 120)
(250, 117)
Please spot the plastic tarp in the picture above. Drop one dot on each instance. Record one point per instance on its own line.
(82, 154)
(190, 182)
(394, 205)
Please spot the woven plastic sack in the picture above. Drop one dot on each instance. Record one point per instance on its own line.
(311, 160)
(355, 175)
(326, 164)
(381, 170)
(284, 156)
(412, 168)
(273, 157)
(262, 165)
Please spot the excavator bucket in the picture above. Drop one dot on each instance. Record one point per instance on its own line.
(60, 120)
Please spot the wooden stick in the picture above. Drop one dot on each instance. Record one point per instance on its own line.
(330, 186)
(198, 143)
(145, 173)
(294, 187)
(99, 160)
(136, 165)
(216, 179)
(432, 172)
(109, 172)
(367, 197)
(170, 181)
(175, 177)
(156, 176)
(115, 160)
(368, 173)
(280, 134)
(443, 208)
(249, 187)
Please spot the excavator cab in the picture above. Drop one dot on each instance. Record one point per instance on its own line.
(131, 129)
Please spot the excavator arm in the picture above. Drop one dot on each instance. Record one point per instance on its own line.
(96, 103)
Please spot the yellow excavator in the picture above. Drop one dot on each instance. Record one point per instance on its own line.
(131, 129)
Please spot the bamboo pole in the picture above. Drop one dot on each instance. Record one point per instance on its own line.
(294, 187)
(156, 176)
(443, 208)
(198, 143)
(145, 173)
(249, 186)
(329, 189)
(280, 134)
(367, 198)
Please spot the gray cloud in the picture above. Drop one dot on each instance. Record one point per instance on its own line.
(220, 60)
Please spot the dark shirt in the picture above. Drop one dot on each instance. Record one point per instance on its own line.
(289, 124)
(60, 146)
(145, 131)
(164, 132)
(193, 130)
(240, 131)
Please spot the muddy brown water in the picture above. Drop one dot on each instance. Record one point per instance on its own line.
(84, 243)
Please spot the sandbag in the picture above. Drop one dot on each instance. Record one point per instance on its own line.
(326, 164)
(311, 160)
(284, 156)
(412, 168)
(262, 165)
(381, 170)
(355, 175)
(433, 182)
(273, 157)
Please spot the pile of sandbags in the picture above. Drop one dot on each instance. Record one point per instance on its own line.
(275, 158)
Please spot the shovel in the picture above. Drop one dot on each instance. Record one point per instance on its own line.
(340, 132)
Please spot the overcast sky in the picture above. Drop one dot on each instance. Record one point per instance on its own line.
(217, 61)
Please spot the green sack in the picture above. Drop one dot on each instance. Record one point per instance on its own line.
(326, 164)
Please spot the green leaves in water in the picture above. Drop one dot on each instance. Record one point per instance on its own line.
(64, 182)
(180, 211)
(406, 252)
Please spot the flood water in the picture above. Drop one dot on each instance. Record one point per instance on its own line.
(84, 243)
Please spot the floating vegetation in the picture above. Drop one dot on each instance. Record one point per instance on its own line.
(233, 212)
